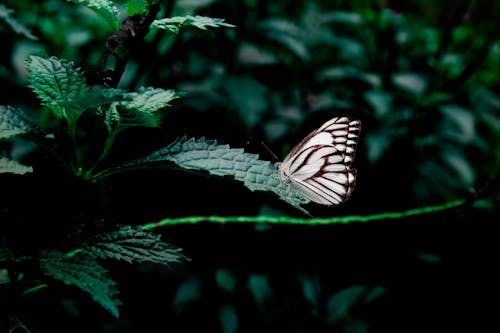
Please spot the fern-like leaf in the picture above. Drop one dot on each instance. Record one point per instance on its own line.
(133, 245)
(104, 8)
(221, 160)
(13, 122)
(85, 273)
(57, 83)
(11, 166)
(174, 24)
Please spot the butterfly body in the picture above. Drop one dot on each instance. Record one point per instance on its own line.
(319, 167)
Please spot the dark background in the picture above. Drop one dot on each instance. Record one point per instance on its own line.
(422, 77)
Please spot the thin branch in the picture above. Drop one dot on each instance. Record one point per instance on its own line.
(306, 221)
(125, 41)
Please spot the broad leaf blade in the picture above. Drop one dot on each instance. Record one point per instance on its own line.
(133, 245)
(11, 166)
(57, 83)
(85, 273)
(104, 8)
(221, 160)
(13, 122)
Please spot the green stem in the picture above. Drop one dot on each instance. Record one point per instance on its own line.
(35, 289)
(75, 161)
(107, 148)
(305, 221)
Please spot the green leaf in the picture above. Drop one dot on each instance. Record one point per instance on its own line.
(4, 274)
(288, 34)
(228, 319)
(101, 97)
(143, 109)
(311, 289)
(193, 4)
(221, 160)
(378, 141)
(13, 122)
(104, 8)
(133, 245)
(337, 73)
(261, 289)
(148, 101)
(342, 302)
(112, 118)
(11, 166)
(18, 27)
(344, 18)
(190, 290)
(249, 96)
(456, 163)
(85, 273)
(136, 7)
(380, 102)
(225, 279)
(57, 83)
(412, 83)
(459, 123)
(174, 24)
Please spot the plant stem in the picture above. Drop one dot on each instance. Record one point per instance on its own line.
(305, 221)
(107, 148)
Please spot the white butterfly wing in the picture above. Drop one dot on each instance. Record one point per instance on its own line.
(319, 166)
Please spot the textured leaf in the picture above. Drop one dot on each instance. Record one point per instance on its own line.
(101, 97)
(221, 160)
(11, 166)
(57, 83)
(142, 109)
(13, 122)
(112, 118)
(18, 27)
(104, 8)
(133, 245)
(83, 272)
(174, 24)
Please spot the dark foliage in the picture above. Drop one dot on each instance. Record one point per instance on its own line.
(422, 77)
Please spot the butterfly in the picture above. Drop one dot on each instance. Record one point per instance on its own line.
(319, 166)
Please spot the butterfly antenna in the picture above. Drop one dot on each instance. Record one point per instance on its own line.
(269, 151)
